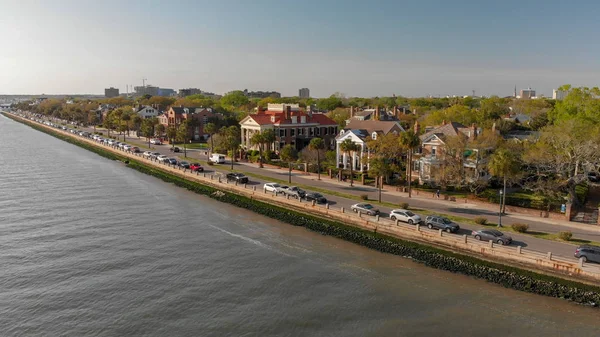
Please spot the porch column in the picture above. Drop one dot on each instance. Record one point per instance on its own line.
(337, 155)
(345, 161)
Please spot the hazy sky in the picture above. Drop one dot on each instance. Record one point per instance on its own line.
(359, 48)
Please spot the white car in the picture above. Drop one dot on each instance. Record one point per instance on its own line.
(111, 142)
(127, 147)
(155, 141)
(147, 154)
(405, 216)
(272, 187)
(162, 158)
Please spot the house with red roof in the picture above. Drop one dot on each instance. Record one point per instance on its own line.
(291, 125)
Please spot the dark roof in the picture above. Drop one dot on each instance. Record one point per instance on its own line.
(451, 129)
(371, 126)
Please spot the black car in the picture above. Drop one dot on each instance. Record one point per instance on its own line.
(172, 161)
(317, 197)
(174, 149)
(184, 164)
(240, 178)
(588, 253)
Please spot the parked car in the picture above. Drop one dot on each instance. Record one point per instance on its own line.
(184, 164)
(135, 149)
(172, 161)
(153, 155)
(440, 222)
(364, 208)
(147, 154)
(317, 197)
(174, 149)
(155, 141)
(217, 158)
(271, 187)
(405, 216)
(127, 147)
(239, 177)
(492, 234)
(111, 142)
(295, 191)
(196, 167)
(588, 253)
(162, 158)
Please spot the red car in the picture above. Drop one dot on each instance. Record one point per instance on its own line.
(196, 167)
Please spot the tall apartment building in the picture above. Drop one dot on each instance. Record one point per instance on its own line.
(304, 93)
(189, 92)
(559, 94)
(111, 92)
(527, 93)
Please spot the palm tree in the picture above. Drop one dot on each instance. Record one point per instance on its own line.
(269, 138)
(258, 138)
(289, 154)
(126, 118)
(317, 144)
(410, 141)
(505, 164)
(211, 129)
(348, 147)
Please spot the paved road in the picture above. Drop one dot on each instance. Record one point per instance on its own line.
(468, 210)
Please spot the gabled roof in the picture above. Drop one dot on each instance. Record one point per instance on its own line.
(183, 110)
(371, 126)
(451, 129)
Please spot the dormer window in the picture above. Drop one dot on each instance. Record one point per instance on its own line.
(272, 119)
(302, 119)
(341, 132)
(374, 135)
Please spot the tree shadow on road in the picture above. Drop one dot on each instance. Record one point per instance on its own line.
(474, 211)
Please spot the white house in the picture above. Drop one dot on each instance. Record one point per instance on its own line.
(359, 131)
(146, 111)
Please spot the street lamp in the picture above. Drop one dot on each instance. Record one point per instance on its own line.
(500, 210)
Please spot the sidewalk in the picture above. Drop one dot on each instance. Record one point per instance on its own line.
(388, 194)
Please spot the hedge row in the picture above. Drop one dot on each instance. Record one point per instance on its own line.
(506, 276)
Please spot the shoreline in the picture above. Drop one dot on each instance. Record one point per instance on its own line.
(518, 277)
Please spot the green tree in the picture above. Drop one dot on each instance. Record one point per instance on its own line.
(137, 122)
(211, 129)
(317, 144)
(505, 164)
(289, 154)
(183, 134)
(258, 139)
(231, 140)
(160, 129)
(580, 103)
(125, 120)
(348, 147)
(410, 141)
(172, 134)
(234, 99)
(329, 104)
(269, 138)
(379, 167)
(147, 129)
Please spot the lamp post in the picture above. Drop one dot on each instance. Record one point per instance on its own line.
(500, 211)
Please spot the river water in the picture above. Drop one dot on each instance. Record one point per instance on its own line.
(89, 247)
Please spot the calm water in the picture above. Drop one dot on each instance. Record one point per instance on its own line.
(89, 247)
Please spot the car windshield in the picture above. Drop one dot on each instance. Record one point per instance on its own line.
(184, 163)
(367, 206)
(317, 195)
(409, 213)
(496, 233)
(446, 221)
(276, 185)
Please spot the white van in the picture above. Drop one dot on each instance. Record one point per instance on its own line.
(217, 158)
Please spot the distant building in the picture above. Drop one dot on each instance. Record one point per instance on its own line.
(166, 92)
(111, 92)
(527, 93)
(146, 90)
(559, 94)
(304, 93)
(189, 92)
(261, 94)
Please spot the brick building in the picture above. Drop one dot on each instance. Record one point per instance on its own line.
(291, 126)
(176, 115)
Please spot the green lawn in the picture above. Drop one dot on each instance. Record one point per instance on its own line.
(194, 146)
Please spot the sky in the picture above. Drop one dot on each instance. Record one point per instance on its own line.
(357, 48)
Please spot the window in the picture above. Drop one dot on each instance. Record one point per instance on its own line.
(374, 135)
(318, 131)
(325, 133)
(433, 150)
(281, 132)
(292, 132)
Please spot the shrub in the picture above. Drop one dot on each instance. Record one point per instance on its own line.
(481, 221)
(565, 236)
(520, 227)
(404, 205)
(364, 196)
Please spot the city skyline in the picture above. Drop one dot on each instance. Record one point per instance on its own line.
(379, 49)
